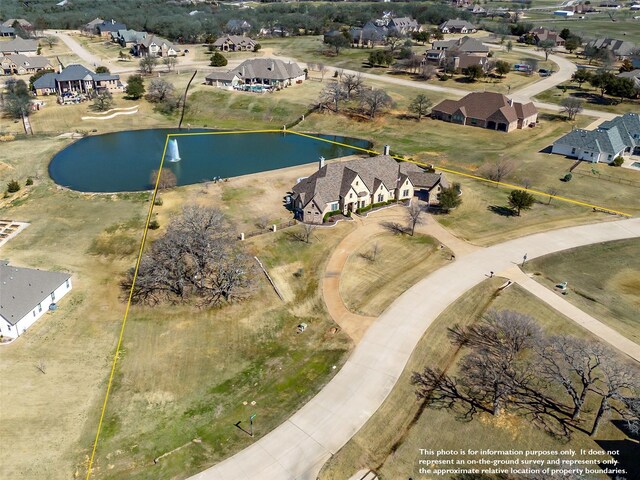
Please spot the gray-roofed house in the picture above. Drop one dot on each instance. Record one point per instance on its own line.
(237, 26)
(351, 185)
(620, 48)
(235, 43)
(467, 45)
(611, 139)
(457, 26)
(259, 71)
(105, 28)
(19, 46)
(26, 294)
(487, 110)
(90, 27)
(370, 34)
(21, 21)
(155, 46)
(128, 38)
(22, 65)
(76, 79)
(7, 31)
(634, 75)
(404, 25)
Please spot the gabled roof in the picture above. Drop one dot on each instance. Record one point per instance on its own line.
(19, 44)
(235, 39)
(93, 23)
(129, 36)
(29, 62)
(628, 126)
(48, 80)
(22, 289)
(110, 26)
(457, 23)
(268, 68)
(74, 72)
(598, 140)
(151, 39)
(487, 106)
(334, 180)
(9, 30)
(403, 22)
(463, 45)
(618, 47)
(21, 21)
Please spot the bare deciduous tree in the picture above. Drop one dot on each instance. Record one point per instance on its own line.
(617, 383)
(352, 84)
(414, 214)
(331, 96)
(167, 179)
(552, 191)
(375, 101)
(323, 70)
(499, 170)
(307, 230)
(159, 90)
(196, 257)
(41, 366)
(573, 364)
(169, 62)
(571, 106)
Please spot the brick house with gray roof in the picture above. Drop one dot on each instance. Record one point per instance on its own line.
(76, 79)
(611, 139)
(26, 295)
(350, 185)
(235, 43)
(487, 110)
(457, 26)
(19, 46)
(259, 71)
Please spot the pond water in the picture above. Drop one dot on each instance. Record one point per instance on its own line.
(124, 161)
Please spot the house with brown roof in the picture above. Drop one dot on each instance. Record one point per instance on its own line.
(457, 26)
(154, 46)
(487, 110)
(356, 184)
(542, 34)
(235, 43)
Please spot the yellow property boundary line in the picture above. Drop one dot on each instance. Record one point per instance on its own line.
(237, 132)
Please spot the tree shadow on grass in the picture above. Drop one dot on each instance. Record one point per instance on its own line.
(394, 227)
(502, 211)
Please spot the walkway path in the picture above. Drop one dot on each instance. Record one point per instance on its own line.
(558, 303)
(299, 447)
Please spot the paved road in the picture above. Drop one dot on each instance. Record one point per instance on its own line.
(299, 447)
(557, 302)
(76, 48)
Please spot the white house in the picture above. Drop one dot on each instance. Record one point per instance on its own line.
(26, 294)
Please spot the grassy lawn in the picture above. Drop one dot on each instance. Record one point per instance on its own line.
(593, 25)
(610, 294)
(184, 372)
(482, 218)
(189, 373)
(590, 96)
(368, 286)
(390, 440)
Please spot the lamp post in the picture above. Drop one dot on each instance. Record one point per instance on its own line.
(251, 424)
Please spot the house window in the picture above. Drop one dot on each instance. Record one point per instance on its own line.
(380, 197)
(53, 296)
(609, 157)
(68, 284)
(357, 183)
(573, 150)
(34, 313)
(351, 195)
(405, 193)
(333, 207)
(39, 307)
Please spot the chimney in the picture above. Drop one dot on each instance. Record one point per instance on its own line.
(321, 163)
(386, 149)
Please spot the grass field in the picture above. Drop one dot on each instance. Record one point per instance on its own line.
(604, 280)
(94, 236)
(368, 286)
(390, 441)
(590, 96)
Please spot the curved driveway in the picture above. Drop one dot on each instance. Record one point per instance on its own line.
(298, 448)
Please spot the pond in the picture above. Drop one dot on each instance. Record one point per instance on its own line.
(124, 161)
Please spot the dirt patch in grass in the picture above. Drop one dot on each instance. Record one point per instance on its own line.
(368, 285)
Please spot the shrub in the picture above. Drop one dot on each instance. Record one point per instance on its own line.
(330, 214)
(29, 181)
(618, 161)
(364, 209)
(218, 60)
(13, 186)
(158, 201)
(154, 224)
(567, 177)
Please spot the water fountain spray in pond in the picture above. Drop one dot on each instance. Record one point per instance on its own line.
(173, 154)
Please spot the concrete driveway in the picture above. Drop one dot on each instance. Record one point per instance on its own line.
(298, 448)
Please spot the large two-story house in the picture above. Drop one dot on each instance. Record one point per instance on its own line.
(351, 185)
(259, 71)
(235, 43)
(22, 65)
(155, 46)
(76, 79)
